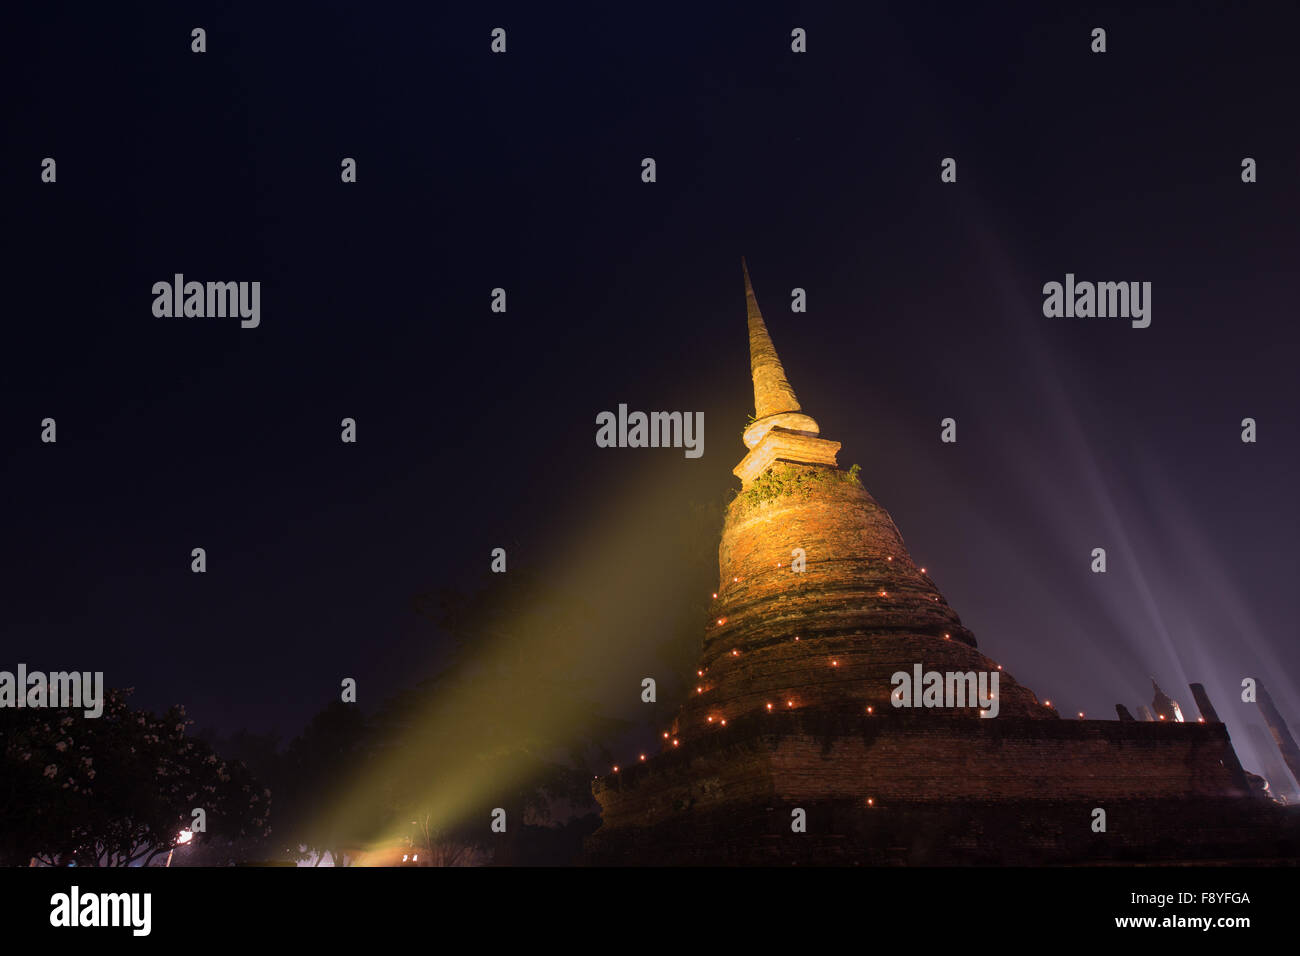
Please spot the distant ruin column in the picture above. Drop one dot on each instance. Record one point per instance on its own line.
(1211, 716)
(1203, 704)
(1281, 734)
(1123, 712)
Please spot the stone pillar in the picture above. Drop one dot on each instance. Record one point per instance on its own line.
(1123, 712)
(1203, 704)
(1281, 733)
(1230, 758)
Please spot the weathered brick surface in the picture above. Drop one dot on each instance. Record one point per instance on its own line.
(861, 611)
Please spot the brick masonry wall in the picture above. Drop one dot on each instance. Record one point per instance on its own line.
(861, 611)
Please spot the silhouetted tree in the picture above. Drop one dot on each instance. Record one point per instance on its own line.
(116, 789)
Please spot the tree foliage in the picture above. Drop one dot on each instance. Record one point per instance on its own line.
(116, 789)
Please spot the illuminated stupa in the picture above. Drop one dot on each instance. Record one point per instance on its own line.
(819, 605)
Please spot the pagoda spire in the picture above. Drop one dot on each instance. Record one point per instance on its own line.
(774, 400)
(772, 391)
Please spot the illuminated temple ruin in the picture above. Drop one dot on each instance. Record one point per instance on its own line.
(791, 710)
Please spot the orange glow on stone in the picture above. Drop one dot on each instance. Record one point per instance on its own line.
(710, 720)
(674, 743)
(835, 663)
(871, 710)
(724, 723)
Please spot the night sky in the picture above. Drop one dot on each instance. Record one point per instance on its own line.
(476, 430)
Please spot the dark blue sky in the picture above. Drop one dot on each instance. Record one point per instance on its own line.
(477, 430)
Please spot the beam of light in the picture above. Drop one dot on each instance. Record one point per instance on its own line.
(547, 672)
(1183, 609)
